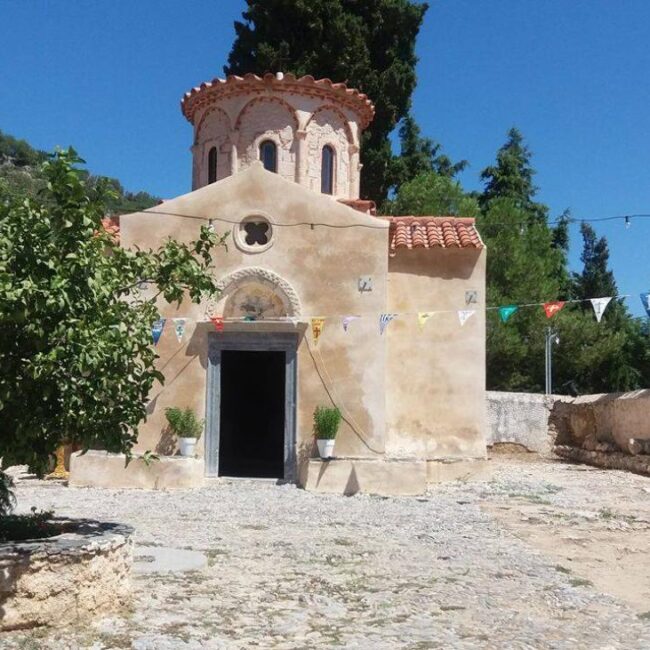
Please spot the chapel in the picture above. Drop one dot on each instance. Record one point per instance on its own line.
(322, 303)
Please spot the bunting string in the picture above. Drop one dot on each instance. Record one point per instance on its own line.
(506, 312)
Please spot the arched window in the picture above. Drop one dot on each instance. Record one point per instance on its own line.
(212, 165)
(327, 170)
(269, 155)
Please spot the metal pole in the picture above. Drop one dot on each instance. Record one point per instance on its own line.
(551, 337)
(547, 361)
(551, 334)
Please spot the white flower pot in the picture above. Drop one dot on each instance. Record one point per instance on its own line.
(187, 446)
(325, 448)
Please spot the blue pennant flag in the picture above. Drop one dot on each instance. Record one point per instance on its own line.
(507, 311)
(645, 299)
(157, 329)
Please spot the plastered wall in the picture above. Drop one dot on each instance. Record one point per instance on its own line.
(435, 376)
(321, 264)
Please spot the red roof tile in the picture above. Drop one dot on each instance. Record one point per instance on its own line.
(112, 226)
(432, 232)
(362, 205)
(233, 84)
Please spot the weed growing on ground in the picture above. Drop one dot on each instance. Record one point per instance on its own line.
(606, 514)
(580, 582)
(533, 498)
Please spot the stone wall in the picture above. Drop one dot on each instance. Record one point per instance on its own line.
(617, 424)
(607, 422)
(60, 580)
(521, 419)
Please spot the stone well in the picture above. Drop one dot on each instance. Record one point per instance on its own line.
(63, 579)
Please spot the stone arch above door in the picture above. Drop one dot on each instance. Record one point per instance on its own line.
(255, 292)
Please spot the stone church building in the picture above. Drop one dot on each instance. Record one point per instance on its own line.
(275, 163)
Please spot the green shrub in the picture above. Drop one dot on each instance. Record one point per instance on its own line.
(183, 423)
(326, 422)
(18, 528)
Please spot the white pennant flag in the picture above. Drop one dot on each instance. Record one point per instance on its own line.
(179, 328)
(347, 320)
(599, 305)
(464, 315)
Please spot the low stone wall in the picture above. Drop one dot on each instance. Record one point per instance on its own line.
(604, 422)
(521, 419)
(64, 579)
(611, 423)
(102, 469)
(365, 476)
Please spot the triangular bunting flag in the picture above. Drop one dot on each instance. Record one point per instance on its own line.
(317, 325)
(553, 307)
(423, 317)
(384, 319)
(157, 329)
(217, 321)
(464, 315)
(179, 328)
(347, 320)
(599, 305)
(506, 312)
(645, 299)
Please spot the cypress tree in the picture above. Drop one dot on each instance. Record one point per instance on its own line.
(370, 45)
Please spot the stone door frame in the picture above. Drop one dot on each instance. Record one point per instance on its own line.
(286, 342)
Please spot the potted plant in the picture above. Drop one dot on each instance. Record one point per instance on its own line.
(326, 426)
(184, 424)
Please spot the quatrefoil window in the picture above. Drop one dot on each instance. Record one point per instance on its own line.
(254, 234)
(257, 233)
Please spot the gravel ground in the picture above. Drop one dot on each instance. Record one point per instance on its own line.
(471, 565)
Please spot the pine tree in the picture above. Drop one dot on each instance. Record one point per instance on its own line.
(431, 193)
(599, 357)
(526, 263)
(420, 155)
(596, 279)
(369, 44)
(512, 177)
(523, 266)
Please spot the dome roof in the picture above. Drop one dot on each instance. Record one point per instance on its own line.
(211, 91)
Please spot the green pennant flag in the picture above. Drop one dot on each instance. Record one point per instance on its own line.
(507, 311)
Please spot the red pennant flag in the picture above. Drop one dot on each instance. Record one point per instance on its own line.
(553, 307)
(217, 321)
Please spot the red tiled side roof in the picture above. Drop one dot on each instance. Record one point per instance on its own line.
(432, 232)
(404, 232)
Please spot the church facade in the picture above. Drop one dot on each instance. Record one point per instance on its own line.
(275, 163)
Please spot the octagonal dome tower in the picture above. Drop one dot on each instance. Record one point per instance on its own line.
(304, 129)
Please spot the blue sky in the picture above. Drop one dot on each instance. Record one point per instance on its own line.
(107, 78)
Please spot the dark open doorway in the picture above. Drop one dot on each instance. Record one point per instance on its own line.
(252, 414)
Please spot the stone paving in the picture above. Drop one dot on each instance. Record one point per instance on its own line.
(289, 569)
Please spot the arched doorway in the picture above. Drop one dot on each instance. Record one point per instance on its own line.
(251, 400)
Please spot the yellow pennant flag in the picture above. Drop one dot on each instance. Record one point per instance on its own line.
(317, 325)
(423, 317)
